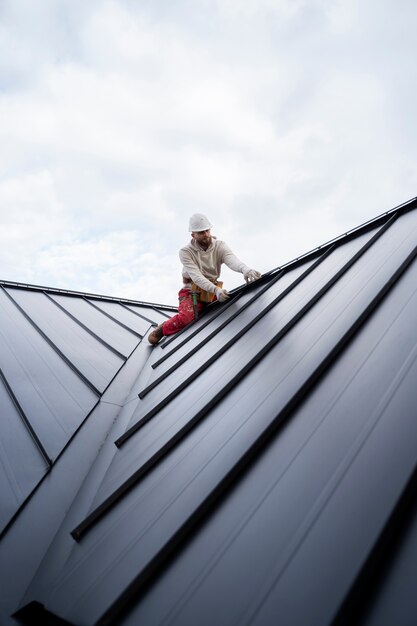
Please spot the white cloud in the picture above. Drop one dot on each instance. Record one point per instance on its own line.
(116, 264)
(250, 9)
(288, 122)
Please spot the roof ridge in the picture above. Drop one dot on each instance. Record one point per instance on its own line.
(409, 205)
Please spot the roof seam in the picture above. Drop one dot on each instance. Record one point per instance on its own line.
(147, 319)
(25, 419)
(114, 319)
(372, 223)
(358, 595)
(84, 327)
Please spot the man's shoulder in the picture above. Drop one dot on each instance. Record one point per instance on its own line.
(221, 246)
(187, 248)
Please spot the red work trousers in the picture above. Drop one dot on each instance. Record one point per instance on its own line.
(185, 313)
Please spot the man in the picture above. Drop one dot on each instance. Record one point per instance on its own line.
(201, 259)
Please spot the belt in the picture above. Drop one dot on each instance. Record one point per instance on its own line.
(203, 295)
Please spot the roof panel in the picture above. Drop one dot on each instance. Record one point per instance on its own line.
(375, 496)
(114, 334)
(393, 584)
(17, 478)
(152, 314)
(123, 315)
(93, 359)
(51, 394)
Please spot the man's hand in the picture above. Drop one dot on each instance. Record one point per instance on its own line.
(251, 275)
(221, 294)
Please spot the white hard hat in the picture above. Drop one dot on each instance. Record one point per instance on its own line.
(198, 222)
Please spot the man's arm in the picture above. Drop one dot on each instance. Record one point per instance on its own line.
(235, 264)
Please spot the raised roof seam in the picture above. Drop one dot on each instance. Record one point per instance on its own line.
(114, 319)
(147, 319)
(25, 419)
(402, 208)
(99, 400)
(371, 573)
(84, 327)
(160, 312)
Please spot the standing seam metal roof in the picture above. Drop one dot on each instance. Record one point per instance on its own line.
(262, 458)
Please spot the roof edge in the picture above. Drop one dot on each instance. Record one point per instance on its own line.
(409, 205)
(93, 296)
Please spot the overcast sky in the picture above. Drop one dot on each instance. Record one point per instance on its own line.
(287, 122)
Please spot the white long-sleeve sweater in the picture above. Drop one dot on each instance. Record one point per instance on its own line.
(203, 266)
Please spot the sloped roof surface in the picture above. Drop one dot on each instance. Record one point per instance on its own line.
(58, 353)
(257, 468)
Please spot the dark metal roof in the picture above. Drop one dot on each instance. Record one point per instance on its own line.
(58, 353)
(257, 468)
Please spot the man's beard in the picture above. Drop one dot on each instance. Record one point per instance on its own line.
(205, 242)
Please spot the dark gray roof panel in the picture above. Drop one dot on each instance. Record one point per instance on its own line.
(93, 359)
(373, 494)
(114, 334)
(152, 314)
(394, 583)
(137, 323)
(51, 394)
(21, 463)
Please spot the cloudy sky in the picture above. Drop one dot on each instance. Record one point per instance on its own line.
(287, 122)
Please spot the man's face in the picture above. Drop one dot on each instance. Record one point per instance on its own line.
(203, 237)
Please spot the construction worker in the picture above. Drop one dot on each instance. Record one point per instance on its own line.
(201, 259)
